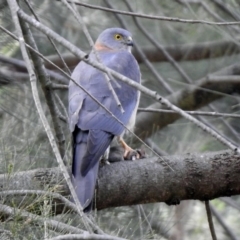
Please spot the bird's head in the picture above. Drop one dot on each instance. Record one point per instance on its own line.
(114, 39)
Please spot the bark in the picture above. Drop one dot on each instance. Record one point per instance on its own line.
(169, 179)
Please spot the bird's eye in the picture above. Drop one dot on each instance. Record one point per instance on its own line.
(118, 36)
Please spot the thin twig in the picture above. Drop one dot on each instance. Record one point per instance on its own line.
(225, 9)
(101, 67)
(211, 114)
(56, 86)
(46, 85)
(30, 217)
(171, 19)
(146, 220)
(59, 133)
(228, 231)
(195, 51)
(141, 88)
(64, 119)
(42, 194)
(140, 221)
(231, 202)
(51, 41)
(177, 67)
(216, 16)
(228, 126)
(20, 64)
(61, 105)
(207, 79)
(210, 221)
(158, 46)
(6, 234)
(107, 75)
(159, 151)
(14, 9)
(85, 236)
(140, 52)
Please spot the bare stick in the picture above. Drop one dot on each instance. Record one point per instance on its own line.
(210, 221)
(42, 194)
(46, 85)
(228, 231)
(85, 237)
(50, 40)
(14, 8)
(52, 224)
(210, 114)
(143, 57)
(107, 75)
(141, 88)
(171, 19)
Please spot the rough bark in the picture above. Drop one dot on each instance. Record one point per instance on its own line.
(169, 179)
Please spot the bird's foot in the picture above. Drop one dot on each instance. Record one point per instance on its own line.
(116, 153)
(104, 161)
(132, 154)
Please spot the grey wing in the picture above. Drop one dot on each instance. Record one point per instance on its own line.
(91, 115)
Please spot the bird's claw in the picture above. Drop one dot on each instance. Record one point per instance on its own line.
(105, 161)
(134, 154)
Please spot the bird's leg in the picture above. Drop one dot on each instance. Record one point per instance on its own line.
(129, 153)
(104, 158)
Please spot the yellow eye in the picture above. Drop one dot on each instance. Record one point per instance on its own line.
(118, 36)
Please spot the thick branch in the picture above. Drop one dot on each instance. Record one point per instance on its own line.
(170, 179)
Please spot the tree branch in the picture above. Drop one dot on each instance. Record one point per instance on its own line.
(57, 226)
(14, 8)
(194, 176)
(203, 92)
(85, 237)
(153, 17)
(21, 67)
(46, 86)
(152, 94)
(184, 52)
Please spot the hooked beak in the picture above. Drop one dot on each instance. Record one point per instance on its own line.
(129, 41)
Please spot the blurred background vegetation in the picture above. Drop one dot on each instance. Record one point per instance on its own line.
(23, 141)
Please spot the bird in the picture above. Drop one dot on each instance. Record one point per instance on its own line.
(92, 127)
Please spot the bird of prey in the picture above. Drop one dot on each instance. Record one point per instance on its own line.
(92, 127)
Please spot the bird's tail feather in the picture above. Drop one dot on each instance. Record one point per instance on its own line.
(88, 147)
(85, 186)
